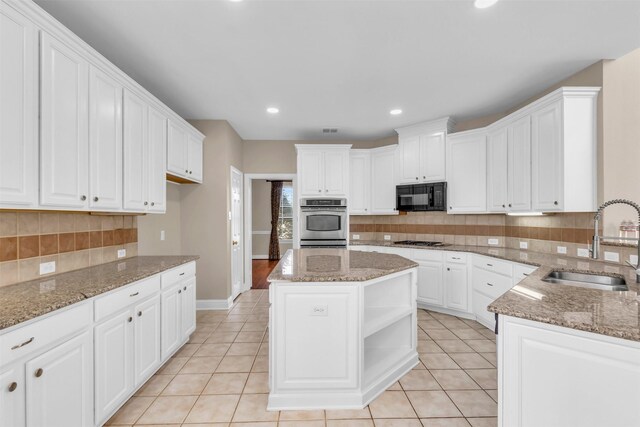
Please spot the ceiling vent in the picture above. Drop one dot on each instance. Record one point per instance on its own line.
(329, 130)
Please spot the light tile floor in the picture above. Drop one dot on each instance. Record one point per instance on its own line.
(220, 378)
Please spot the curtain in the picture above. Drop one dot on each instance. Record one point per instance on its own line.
(274, 242)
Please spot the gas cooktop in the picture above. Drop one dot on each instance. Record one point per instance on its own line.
(418, 243)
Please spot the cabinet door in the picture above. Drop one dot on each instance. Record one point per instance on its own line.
(170, 322)
(195, 158)
(105, 141)
(520, 165)
(157, 191)
(188, 302)
(360, 184)
(466, 173)
(114, 363)
(64, 147)
(497, 170)
(60, 385)
(135, 153)
(430, 283)
(310, 173)
(12, 396)
(336, 173)
(456, 287)
(177, 149)
(409, 152)
(546, 158)
(18, 109)
(147, 339)
(383, 187)
(432, 157)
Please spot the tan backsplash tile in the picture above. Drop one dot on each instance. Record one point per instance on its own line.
(8, 224)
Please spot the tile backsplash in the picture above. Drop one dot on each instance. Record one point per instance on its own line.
(546, 233)
(72, 240)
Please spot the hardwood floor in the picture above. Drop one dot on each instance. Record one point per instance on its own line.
(261, 269)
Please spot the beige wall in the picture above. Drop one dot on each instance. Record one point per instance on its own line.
(280, 156)
(261, 218)
(204, 224)
(150, 226)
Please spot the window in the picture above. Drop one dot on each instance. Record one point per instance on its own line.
(285, 222)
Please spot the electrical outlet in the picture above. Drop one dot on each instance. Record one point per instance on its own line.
(582, 252)
(524, 245)
(612, 256)
(562, 249)
(633, 259)
(162, 235)
(47, 267)
(122, 253)
(387, 237)
(356, 237)
(493, 242)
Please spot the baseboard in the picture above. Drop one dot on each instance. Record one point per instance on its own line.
(260, 257)
(214, 304)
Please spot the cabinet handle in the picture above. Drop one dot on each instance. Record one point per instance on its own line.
(186, 171)
(424, 177)
(503, 206)
(13, 386)
(489, 284)
(139, 314)
(555, 203)
(130, 319)
(365, 209)
(95, 199)
(448, 269)
(319, 191)
(190, 172)
(153, 204)
(146, 203)
(39, 372)
(509, 204)
(179, 291)
(181, 274)
(83, 198)
(525, 274)
(184, 289)
(489, 265)
(29, 341)
(454, 257)
(416, 178)
(326, 191)
(136, 294)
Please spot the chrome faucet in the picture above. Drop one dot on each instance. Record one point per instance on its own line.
(595, 247)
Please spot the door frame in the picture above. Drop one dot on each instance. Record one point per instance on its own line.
(232, 171)
(248, 220)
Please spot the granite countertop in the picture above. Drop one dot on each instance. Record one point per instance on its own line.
(26, 300)
(336, 265)
(611, 313)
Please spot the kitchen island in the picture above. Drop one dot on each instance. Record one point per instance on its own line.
(342, 327)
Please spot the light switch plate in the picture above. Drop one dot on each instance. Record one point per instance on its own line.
(562, 249)
(356, 237)
(493, 242)
(47, 267)
(633, 259)
(387, 237)
(122, 253)
(612, 256)
(319, 310)
(582, 252)
(162, 235)
(524, 245)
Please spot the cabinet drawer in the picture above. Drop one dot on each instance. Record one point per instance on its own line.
(37, 335)
(122, 298)
(490, 284)
(426, 255)
(492, 264)
(521, 271)
(456, 257)
(178, 274)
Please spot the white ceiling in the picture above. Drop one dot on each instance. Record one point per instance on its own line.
(345, 64)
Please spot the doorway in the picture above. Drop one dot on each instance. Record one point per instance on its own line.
(257, 225)
(236, 233)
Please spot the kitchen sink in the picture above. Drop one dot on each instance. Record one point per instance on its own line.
(586, 280)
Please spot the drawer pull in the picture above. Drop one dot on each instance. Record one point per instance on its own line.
(39, 372)
(13, 386)
(525, 274)
(139, 314)
(453, 257)
(489, 284)
(184, 289)
(489, 265)
(181, 274)
(29, 341)
(179, 291)
(130, 319)
(136, 294)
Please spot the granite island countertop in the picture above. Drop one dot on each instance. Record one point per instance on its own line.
(27, 300)
(336, 265)
(611, 313)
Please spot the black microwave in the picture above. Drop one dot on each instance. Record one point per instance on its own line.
(422, 197)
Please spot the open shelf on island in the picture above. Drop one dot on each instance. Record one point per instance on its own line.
(386, 348)
(377, 318)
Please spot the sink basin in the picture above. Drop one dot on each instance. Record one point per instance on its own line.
(586, 280)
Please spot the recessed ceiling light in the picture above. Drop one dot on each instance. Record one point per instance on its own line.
(395, 112)
(273, 110)
(483, 4)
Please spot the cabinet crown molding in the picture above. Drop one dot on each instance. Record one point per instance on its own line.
(323, 147)
(444, 124)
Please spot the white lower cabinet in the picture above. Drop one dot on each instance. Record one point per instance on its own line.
(188, 305)
(456, 287)
(147, 339)
(430, 282)
(171, 318)
(12, 396)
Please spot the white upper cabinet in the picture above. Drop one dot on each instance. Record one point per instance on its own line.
(383, 188)
(64, 148)
(497, 170)
(135, 152)
(323, 170)
(422, 152)
(18, 110)
(184, 154)
(467, 172)
(157, 161)
(105, 141)
(360, 185)
(547, 157)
